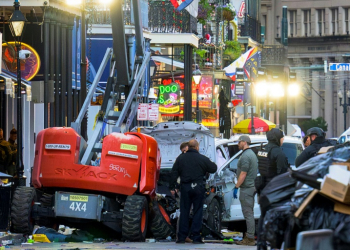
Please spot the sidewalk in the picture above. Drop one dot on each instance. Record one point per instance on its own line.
(129, 245)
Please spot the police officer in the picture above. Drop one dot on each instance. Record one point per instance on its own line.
(191, 168)
(6, 155)
(184, 147)
(247, 168)
(306, 141)
(272, 162)
(11, 170)
(318, 140)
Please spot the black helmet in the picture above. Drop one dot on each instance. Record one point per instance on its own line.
(317, 131)
(275, 135)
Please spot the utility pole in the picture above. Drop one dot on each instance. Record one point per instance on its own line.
(251, 103)
(345, 105)
(284, 41)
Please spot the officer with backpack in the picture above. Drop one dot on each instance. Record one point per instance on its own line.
(272, 162)
(318, 140)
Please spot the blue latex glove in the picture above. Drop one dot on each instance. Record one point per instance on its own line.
(235, 191)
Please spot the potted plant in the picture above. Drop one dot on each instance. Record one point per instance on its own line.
(201, 53)
(228, 12)
(204, 11)
(232, 49)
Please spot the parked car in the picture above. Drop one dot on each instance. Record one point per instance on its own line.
(344, 137)
(225, 178)
(224, 152)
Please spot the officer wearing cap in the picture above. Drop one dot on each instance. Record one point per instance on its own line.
(247, 168)
(318, 140)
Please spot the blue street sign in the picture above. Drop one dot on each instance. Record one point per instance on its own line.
(339, 67)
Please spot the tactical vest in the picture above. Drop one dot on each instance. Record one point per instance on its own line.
(267, 168)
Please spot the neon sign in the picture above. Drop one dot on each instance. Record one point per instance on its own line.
(169, 98)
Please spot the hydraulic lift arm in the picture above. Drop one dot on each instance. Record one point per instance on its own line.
(119, 80)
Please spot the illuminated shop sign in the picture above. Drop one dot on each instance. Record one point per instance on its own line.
(169, 98)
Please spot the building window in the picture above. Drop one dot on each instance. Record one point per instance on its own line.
(278, 26)
(292, 23)
(335, 21)
(264, 23)
(321, 17)
(347, 20)
(307, 22)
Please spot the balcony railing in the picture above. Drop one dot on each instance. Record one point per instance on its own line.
(272, 55)
(212, 58)
(157, 16)
(163, 18)
(251, 27)
(102, 15)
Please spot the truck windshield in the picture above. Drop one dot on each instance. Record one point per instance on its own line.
(292, 151)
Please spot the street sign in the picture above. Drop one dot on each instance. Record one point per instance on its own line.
(153, 112)
(239, 89)
(142, 112)
(339, 67)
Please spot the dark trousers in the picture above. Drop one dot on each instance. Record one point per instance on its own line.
(261, 243)
(191, 193)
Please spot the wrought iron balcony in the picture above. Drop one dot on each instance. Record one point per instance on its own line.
(211, 59)
(99, 15)
(251, 27)
(157, 16)
(272, 55)
(163, 18)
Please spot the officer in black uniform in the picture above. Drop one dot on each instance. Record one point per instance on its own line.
(318, 140)
(272, 162)
(191, 168)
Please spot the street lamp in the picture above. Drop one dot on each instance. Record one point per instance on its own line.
(152, 68)
(17, 22)
(345, 104)
(197, 77)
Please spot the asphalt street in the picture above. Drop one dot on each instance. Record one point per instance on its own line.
(128, 245)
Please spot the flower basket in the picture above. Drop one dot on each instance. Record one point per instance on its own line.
(227, 15)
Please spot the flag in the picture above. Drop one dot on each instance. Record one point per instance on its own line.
(251, 65)
(193, 8)
(190, 5)
(239, 63)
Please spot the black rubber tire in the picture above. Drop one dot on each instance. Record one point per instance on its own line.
(132, 216)
(214, 215)
(160, 227)
(21, 209)
(49, 222)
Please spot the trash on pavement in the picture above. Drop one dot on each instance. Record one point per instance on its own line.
(150, 240)
(41, 238)
(51, 234)
(54, 236)
(336, 183)
(319, 198)
(279, 190)
(324, 150)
